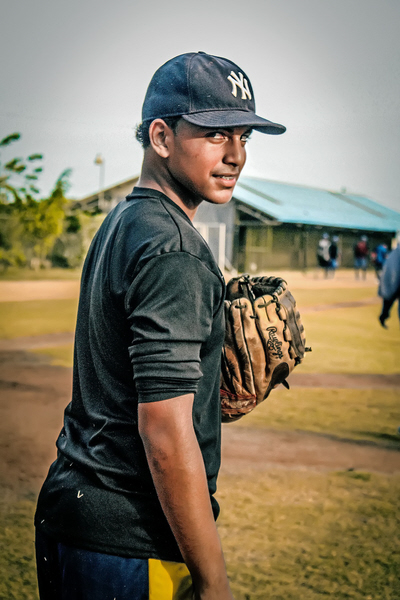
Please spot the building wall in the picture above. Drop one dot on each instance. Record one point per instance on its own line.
(208, 213)
(253, 246)
(265, 247)
(291, 246)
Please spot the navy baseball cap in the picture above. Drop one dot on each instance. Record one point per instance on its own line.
(205, 90)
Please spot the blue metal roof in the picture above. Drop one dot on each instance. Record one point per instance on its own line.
(298, 204)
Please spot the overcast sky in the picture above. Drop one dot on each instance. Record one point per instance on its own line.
(74, 74)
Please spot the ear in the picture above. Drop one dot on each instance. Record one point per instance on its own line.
(160, 137)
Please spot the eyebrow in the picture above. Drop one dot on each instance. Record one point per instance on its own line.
(232, 129)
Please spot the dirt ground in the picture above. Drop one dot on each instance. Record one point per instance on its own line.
(22, 291)
(33, 395)
(18, 291)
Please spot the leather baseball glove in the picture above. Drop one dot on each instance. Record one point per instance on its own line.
(264, 341)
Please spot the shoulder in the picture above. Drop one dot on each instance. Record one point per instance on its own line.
(150, 226)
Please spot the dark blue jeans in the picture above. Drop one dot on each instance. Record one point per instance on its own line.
(68, 573)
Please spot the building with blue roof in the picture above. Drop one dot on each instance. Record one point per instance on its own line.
(309, 206)
(269, 225)
(277, 225)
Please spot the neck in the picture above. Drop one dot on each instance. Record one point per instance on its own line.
(155, 175)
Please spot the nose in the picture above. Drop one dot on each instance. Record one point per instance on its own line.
(235, 152)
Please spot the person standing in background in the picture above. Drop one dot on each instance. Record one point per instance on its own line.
(323, 253)
(334, 255)
(379, 256)
(361, 253)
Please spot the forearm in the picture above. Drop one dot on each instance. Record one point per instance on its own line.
(179, 476)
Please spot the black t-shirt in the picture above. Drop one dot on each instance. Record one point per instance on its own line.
(149, 328)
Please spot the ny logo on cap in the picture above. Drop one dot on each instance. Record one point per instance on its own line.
(239, 82)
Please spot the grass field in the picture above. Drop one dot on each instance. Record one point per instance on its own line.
(17, 564)
(351, 340)
(345, 340)
(307, 297)
(14, 274)
(304, 536)
(357, 414)
(61, 356)
(287, 534)
(37, 317)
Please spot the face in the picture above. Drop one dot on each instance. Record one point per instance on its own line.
(204, 163)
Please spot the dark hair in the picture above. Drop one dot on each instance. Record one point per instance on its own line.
(142, 130)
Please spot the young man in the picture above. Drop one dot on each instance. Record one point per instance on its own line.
(128, 509)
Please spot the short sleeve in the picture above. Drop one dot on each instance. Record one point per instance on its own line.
(170, 306)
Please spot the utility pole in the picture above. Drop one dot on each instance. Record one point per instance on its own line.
(99, 160)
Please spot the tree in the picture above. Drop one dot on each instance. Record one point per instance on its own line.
(18, 177)
(29, 225)
(42, 221)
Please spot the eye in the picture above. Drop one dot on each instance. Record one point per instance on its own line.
(246, 136)
(217, 135)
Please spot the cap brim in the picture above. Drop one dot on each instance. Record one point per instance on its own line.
(234, 118)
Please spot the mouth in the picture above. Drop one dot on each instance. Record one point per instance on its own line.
(226, 178)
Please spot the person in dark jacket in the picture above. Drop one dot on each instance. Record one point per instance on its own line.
(333, 255)
(389, 285)
(379, 256)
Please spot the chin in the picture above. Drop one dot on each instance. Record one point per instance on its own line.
(221, 198)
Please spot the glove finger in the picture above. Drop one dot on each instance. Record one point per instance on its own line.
(280, 362)
(253, 353)
(236, 398)
(230, 361)
(245, 333)
(294, 324)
